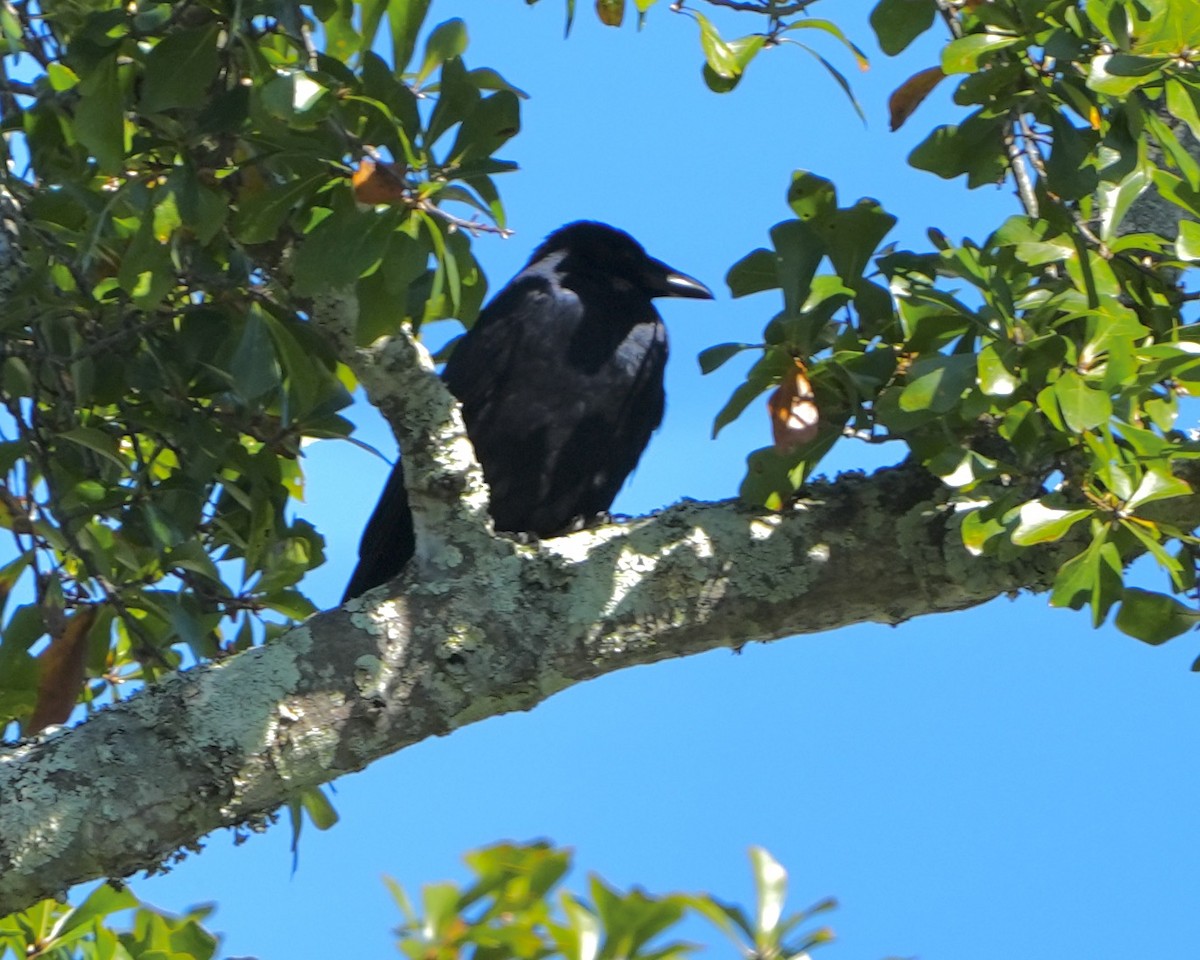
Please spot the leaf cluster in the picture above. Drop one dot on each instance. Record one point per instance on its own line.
(1040, 373)
(512, 910)
(181, 174)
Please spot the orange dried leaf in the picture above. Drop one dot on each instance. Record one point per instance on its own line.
(794, 414)
(61, 672)
(378, 182)
(911, 93)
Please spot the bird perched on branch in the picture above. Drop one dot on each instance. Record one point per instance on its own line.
(561, 385)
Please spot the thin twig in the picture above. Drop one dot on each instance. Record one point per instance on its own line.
(1020, 172)
(473, 226)
(767, 8)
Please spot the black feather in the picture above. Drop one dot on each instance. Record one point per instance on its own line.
(561, 386)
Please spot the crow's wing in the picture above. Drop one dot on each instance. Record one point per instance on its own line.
(388, 541)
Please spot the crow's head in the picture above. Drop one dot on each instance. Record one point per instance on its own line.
(596, 253)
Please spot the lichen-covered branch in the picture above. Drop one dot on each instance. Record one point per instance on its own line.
(446, 489)
(225, 744)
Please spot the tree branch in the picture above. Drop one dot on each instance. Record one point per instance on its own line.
(230, 742)
(446, 489)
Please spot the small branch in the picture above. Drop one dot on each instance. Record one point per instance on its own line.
(472, 226)
(950, 16)
(767, 8)
(1020, 172)
(447, 493)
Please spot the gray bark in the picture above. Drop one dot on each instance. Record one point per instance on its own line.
(475, 634)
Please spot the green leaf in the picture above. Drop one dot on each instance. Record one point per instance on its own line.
(997, 365)
(1187, 244)
(320, 811)
(799, 251)
(106, 899)
(755, 272)
(180, 69)
(457, 97)
(253, 367)
(714, 357)
(1116, 198)
(966, 54)
(978, 528)
(100, 120)
(1157, 485)
(1083, 407)
(1183, 103)
(897, 23)
(1153, 617)
(720, 56)
(611, 12)
(1093, 578)
(1042, 524)
(744, 49)
(342, 247)
(1118, 74)
(61, 77)
(811, 197)
(405, 18)
(262, 213)
(770, 882)
(447, 41)
(853, 235)
(937, 383)
(826, 26)
(495, 120)
(98, 442)
(974, 148)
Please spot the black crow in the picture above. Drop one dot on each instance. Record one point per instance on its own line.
(561, 385)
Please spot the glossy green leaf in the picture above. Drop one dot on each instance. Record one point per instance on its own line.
(447, 41)
(1091, 579)
(1083, 406)
(1154, 617)
(721, 58)
(105, 900)
(1157, 485)
(1183, 102)
(754, 273)
(966, 54)
(1116, 198)
(744, 49)
(1119, 75)
(181, 69)
(100, 120)
(1187, 244)
(974, 148)
(263, 212)
(1040, 523)
(770, 882)
(937, 383)
(811, 197)
(714, 357)
(827, 26)
(897, 23)
(405, 18)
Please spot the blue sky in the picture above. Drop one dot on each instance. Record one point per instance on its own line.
(1001, 782)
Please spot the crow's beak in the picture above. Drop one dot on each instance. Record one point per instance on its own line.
(663, 281)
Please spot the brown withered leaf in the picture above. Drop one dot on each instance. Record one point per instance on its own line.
(378, 182)
(60, 672)
(794, 414)
(910, 93)
(611, 12)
